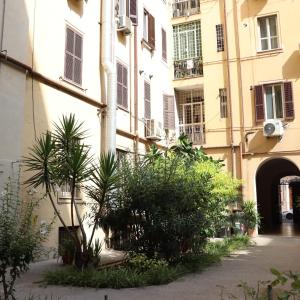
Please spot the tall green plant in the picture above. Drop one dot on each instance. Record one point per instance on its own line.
(61, 158)
(20, 236)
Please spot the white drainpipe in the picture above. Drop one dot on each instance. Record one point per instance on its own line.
(108, 63)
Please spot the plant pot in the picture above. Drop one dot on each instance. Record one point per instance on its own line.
(252, 232)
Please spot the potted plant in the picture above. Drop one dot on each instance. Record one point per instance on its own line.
(250, 216)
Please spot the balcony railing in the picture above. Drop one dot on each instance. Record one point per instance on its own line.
(185, 7)
(192, 67)
(195, 132)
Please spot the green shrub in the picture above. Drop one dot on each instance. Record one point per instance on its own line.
(250, 217)
(20, 235)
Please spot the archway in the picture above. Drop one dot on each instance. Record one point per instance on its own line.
(270, 177)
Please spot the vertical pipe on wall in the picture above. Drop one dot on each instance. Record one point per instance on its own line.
(136, 108)
(229, 93)
(108, 63)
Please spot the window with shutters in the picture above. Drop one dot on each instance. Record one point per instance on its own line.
(147, 100)
(169, 112)
(164, 44)
(268, 33)
(149, 29)
(220, 37)
(274, 101)
(223, 103)
(122, 85)
(129, 9)
(73, 56)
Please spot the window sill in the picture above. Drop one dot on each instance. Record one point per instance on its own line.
(61, 78)
(269, 51)
(146, 45)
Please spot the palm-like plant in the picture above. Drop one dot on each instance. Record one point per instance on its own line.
(61, 158)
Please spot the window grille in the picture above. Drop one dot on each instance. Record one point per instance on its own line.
(223, 103)
(220, 37)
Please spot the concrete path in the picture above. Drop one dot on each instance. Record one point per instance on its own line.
(251, 265)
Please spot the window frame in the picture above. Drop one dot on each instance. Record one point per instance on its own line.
(73, 55)
(268, 38)
(273, 100)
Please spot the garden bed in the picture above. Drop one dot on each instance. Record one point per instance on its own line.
(146, 271)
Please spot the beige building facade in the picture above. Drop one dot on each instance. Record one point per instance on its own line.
(246, 111)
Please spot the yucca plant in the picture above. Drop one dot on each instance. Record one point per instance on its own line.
(61, 158)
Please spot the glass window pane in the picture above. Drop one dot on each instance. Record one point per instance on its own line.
(278, 101)
(183, 46)
(269, 103)
(272, 23)
(263, 27)
(191, 44)
(274, 43)
(264, 44)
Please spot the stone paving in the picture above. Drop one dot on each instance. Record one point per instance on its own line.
(251, 265)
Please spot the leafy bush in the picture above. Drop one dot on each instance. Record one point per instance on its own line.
(20, 236)
(250, 216)
(141, 263)
(169, 203)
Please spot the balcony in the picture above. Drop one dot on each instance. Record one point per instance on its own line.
(195, 132)
(183, 8)
(185, 68)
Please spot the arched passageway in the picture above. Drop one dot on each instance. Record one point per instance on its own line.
(273, 178)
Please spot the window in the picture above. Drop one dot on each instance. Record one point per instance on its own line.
(169, 112)
(268, 32)
(121, 154)
(164, 44)
(122, 85)
(128, 8)
(65, 192)
(147, 100)
(223, 103)
(149, 29)
(274, 101)
(220, 37)
(187, 41)
(73, 56)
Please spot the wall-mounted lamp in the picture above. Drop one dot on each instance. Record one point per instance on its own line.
(141, 72)
(150, 76)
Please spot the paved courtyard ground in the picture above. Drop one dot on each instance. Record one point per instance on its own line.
(281, 252)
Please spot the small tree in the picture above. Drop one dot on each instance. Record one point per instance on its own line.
(20, 236)
(61, 158)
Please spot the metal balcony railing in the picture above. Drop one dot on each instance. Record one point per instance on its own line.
(192, 67)
(195, 132)
(185, 7)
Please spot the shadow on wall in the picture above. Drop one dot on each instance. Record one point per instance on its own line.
(259, 143)
(76, 6)
(251, 8)
(291, 69)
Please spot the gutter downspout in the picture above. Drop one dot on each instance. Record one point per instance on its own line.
(233, 162)
(136, 107)
(108, 63)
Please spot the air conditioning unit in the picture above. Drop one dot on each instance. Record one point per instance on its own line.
(124, 24)
(153, 129)
(273, 127)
